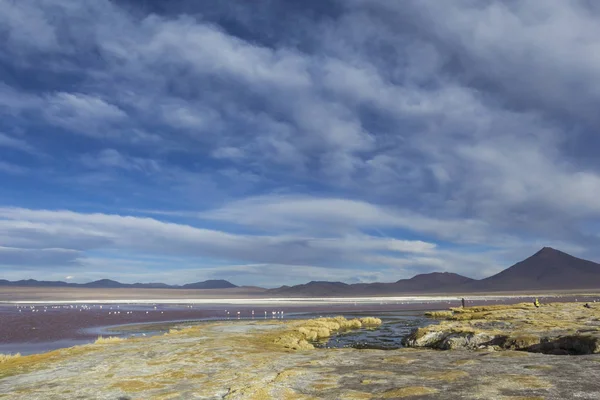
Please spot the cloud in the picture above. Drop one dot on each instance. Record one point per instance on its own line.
(31, 229)
(14, 143)
(15, 257)
(111, 158)
(303, 213)
(339, 134)
(82, 113)
(548, 52)
(26, 27)
(12, 169)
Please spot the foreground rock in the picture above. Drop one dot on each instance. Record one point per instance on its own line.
(253, 360)
(558, 328)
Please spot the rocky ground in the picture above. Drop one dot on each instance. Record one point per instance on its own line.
(275, 360)
(556, 328)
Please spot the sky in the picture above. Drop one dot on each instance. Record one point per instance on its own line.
(277, 142)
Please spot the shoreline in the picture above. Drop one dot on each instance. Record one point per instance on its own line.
(10, 294)
(299, 300)
(257, 360)
(29, 326)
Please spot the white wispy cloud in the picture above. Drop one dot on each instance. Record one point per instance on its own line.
(15, 143)
(11, 168)
(111, 158)
(373, 132)
(304, 213)
(41, 229)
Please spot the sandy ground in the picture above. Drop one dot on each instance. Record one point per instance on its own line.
(213, 361)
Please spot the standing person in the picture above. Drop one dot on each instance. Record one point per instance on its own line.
(536, 303)
(463, 302)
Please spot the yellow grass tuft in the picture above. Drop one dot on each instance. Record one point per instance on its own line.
(496, 307)
(408, 391)
(110, 339)
(137, 385)
(21, 364)
(183, 331)
(448, 376)
(7, 357)
(439, 314)
(356, 395)
(320, 328)
(370, 322)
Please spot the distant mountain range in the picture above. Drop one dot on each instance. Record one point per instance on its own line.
(548, 269)
(110, 284)
(435, 281)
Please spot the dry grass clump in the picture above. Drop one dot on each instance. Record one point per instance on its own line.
(137, 385)
(398, 360)
(7, 357)
(448, 376)
(408, 391)
(421, 332)
(524, 398)
(521, 341)
(370, 322)
(439, 314)
(323, 327)
(320, 328)
(356, 395)
(110, 339)
(182, 331)
(496, 307)
(526, 381)
(25, 363)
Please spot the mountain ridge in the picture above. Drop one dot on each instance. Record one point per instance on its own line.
(112, 284)
(547, 269)
(416, 284)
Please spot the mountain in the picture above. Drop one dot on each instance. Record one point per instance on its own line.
(435, 281)
(545, 270)
(431, 283)
(210, 284)
(111, 284)
(313, 289)
(548, 269)
(33, 282)
(105, 283)
(153, 285)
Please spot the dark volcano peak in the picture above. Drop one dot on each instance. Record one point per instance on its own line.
(547, 269)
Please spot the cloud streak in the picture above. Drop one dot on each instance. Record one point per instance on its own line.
(356, 135)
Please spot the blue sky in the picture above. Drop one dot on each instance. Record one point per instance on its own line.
(277, 142)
